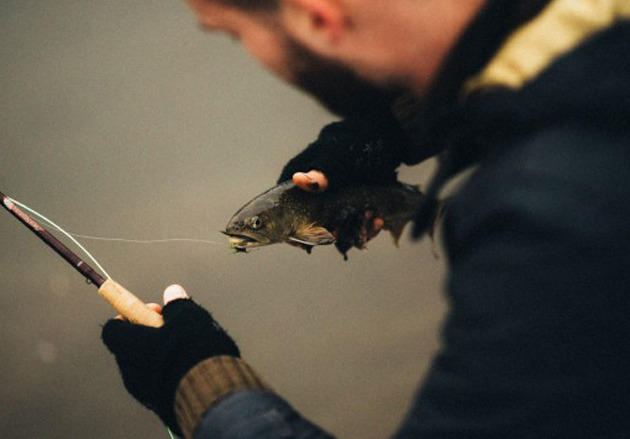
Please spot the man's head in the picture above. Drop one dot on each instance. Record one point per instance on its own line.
(350, 54)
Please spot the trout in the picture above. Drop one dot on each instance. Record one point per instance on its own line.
(285, 213)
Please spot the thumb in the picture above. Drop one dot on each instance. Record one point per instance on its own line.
(312, 181)
(174, 292)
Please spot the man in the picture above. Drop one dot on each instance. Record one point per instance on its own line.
(536, 95)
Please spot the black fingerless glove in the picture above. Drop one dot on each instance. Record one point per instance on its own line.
(152, 361)
(353, 227)
(354, 151)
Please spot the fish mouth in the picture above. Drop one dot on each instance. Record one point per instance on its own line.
(241, 242)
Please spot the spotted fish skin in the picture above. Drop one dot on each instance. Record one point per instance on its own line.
(285, 213)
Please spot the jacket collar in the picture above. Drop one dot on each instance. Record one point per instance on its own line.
(427, 120)
(562, 26)
(520, 58)
(508, 45)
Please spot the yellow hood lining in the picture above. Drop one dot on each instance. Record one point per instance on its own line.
(562, 26)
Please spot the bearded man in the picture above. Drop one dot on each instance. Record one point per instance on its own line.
(535, 95)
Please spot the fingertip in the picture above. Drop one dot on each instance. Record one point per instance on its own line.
(312, 181)
(319, 178)
(301, 180)
(174, 292)
(155, 307)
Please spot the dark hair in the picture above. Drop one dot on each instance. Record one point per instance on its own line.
(251, 5)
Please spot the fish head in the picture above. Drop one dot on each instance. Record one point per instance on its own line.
(259, 222)
(245, 232)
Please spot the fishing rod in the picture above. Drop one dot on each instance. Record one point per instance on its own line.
(123, 301)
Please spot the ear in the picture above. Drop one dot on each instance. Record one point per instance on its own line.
(312, 235)
(319, 24)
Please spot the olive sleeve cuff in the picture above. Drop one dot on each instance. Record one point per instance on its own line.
(208, 381)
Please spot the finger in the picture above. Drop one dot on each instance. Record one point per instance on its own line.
(312, 181)
(374, 227)
(155, 307)
(123, 336)
(183, 311)
(174, 292)
(371, 225)
(152, 306)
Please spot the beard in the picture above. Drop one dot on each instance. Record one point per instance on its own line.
(336, 86)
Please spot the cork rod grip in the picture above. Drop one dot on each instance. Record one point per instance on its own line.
(128, 305)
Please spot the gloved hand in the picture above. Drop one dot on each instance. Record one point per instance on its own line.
(354, 227)
(353, 151)
(152, 361)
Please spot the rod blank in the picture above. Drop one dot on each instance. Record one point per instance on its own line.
(121, 299)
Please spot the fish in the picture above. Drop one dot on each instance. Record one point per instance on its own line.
(287, 214)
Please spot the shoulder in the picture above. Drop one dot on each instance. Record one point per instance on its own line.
(566, 179)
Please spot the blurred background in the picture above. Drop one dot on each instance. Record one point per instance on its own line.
(124, 119)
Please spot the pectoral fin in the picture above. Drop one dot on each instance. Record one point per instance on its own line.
(300, 244)
(312, 235)
(299, 241)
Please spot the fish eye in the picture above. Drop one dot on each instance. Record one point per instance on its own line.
(256, 223)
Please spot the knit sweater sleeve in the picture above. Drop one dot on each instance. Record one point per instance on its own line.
(222, 397)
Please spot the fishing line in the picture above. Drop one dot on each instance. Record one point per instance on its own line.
(84, 250)
(145, 241)
(68, 235)
(72, 236)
